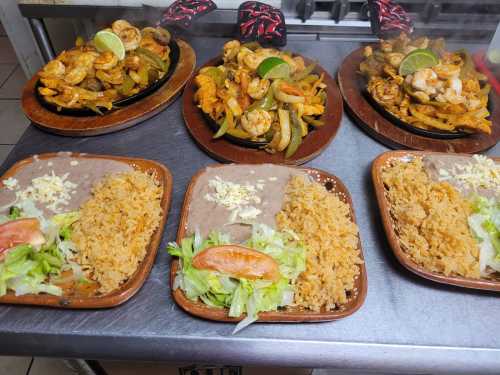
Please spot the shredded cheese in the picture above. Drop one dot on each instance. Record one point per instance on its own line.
(51, 190)
(235, 197)
(483, 173)
(10, 183)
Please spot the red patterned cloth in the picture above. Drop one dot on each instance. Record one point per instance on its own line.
(262, 23)
(388, 18)
(184, 12)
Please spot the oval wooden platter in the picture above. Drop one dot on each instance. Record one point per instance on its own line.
(223, 150)
(352, 85)
(332, 184)
(389, 226)
(132, 114)
(135, 282)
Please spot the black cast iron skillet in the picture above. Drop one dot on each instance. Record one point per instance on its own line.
(174, 59)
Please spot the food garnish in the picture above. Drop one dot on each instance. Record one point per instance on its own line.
(118, 63)
(237, 261)
(18, 232)
(426, 86)
(254, 92)
(242, 295)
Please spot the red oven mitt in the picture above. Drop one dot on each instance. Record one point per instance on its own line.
(184, 12)
(261, 23)
(388, 18)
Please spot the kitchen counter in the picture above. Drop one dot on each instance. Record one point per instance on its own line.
(407, 324)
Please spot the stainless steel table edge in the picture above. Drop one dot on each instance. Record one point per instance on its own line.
(271, 352)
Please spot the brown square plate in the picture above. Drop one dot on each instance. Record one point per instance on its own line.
(332, 184)
(393, 239)
(134, 283)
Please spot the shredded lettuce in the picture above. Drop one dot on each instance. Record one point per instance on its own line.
(241, 296)
(485, 224)
(25, 270)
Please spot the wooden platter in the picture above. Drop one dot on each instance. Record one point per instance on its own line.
(352, 86)
(332, 184)
(393, 239)
(131, 286)
(223, 150)
(132, 114)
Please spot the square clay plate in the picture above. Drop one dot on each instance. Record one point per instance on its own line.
(134, 283)
(334, 185)
(389, 226)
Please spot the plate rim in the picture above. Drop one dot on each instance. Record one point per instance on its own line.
(388, 222)
(136, 281)
(201, 310)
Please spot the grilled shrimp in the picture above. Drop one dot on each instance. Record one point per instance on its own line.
(159, 34)
(86, 59)
(445, 71)
(256, 122)
(119, 25)
(75, 75)
(394, 58)
(132, 62)
(149, 43)
(296, 63)
(231, 49)
(106, 61)
(131, 37)
(258, 88)
(425, 80)
(54, 68)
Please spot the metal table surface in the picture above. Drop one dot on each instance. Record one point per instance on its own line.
(407, 324)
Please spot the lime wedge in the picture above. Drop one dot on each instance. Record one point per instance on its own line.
(416, 60)
(273, 68)
(106, 40)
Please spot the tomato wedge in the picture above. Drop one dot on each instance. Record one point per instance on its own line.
(238, 261)
(18, 232)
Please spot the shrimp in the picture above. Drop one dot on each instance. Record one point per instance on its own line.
(54, 68)
(367, 51)
(258, 88)
(385, 92)
(445, 71)
(75, 75)
(150, 44)
(119, 25)
(256, 122)
(425, 80)
(385, 46)
(230, 50)
(106, 61)
(394, 58)
(113, 76)
(86, 59)
(51, 83)
(132, 62)
(453, 92)
(131, 37)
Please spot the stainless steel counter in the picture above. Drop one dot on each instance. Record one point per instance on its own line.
(407, 324)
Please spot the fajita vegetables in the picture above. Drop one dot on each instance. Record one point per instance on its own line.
(427, 86)
(263, 95)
